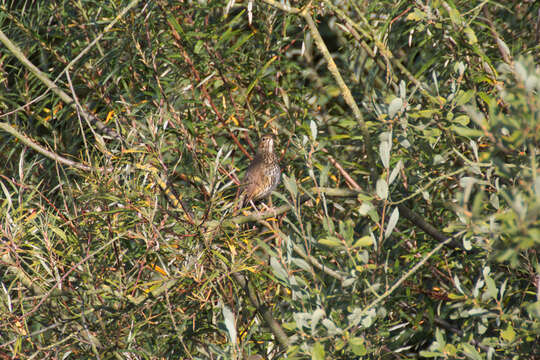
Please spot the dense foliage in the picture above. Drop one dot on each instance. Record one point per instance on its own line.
(406, 226)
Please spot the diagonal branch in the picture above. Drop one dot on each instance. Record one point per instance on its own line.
(345, 91)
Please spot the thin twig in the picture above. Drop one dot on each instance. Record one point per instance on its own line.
(30, 143)
(398, 283)
(264, 310)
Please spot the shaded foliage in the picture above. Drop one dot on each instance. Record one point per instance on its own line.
(97, 263)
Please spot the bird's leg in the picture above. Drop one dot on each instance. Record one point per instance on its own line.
(271, 207)
(254, 207)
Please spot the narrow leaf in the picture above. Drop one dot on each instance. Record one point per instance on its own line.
(230, 323)
(392, 223)
(384, 149)
(394, 107)
(278, 270)
(313, 127)
(382, 189)
(395, 172)
(290, 185)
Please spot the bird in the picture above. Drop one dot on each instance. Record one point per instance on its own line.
(263, 173)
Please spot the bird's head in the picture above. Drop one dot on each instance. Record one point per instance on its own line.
(266, 144)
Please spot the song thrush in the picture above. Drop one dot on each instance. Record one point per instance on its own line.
(263, 174)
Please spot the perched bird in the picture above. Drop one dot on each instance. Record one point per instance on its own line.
(263, 174)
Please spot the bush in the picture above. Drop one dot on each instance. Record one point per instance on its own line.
(406, 225)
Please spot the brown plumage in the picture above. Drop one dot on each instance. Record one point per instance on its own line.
(263, 174)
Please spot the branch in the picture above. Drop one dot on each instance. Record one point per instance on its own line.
(52, 86)
(407, 275)
(286, 8)
(354, 29)
(262, 309)
(332, 67)
(403, 210)
(30, 143)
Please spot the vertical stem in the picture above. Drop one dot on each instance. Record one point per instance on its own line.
(344, 90)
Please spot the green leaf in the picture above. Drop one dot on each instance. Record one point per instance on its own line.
(395, 172)
(440, 340)
(363, 241)
(230, 323)
(331, 327)
(416, 15)
(430, 354)
(365, 208)
(402, 89)
(391, 223)
(492, 291)
(278, 270)
(465, 131)
(241, 41)
(317, 315)
(331, 241)
(509, 334)
(357, 346)
(504, 49)
(384, 149)
(494, 200)
(464, 97)
(471, 352)
(471, 36)
(463, 120)
(424, 113)
(198, 46)
(290, 185)
(394, 107)
(450, 350)
(61, 234)
(459, 67)
(302, 319)
(172, 19)
(382, 189)
(318, 351)
(301, 263)
(260, 75)
(7, 194)
(313, 128)
(455, 16)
